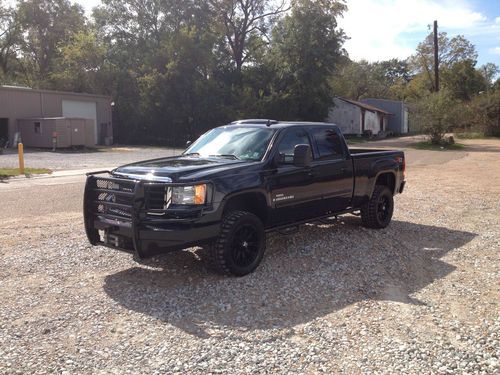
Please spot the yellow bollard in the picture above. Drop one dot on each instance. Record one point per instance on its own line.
(20, 150)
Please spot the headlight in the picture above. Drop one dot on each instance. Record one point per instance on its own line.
(189, 194)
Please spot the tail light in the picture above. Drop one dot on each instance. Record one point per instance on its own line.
(402, 161)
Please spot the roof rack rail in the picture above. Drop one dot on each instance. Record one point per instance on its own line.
(260, 121)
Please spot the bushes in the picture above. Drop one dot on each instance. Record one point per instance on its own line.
(437, 114)
(485, 114)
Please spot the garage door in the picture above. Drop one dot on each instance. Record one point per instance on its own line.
(88, 110)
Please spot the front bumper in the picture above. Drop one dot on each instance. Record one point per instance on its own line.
(117, 215)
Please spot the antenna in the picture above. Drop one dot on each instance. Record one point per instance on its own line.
(268, 123)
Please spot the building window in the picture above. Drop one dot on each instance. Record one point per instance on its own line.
(38, 128)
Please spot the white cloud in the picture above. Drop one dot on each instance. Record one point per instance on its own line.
(382, 29)
(494, 51)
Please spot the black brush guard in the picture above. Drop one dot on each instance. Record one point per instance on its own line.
(129, 215)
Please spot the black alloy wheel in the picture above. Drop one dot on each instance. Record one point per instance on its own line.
(241, 244)
(377, 212)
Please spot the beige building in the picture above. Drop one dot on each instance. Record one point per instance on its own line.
(39, 115)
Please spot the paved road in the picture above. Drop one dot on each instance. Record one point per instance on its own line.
(34, 198)
(41, 196)
(99, 158)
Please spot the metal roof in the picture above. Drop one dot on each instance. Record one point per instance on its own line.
(366, 106)
(29, 89)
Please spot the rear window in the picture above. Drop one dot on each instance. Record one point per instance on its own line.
(329, 144)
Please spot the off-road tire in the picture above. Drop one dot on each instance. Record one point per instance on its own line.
(223, 252)
(377, 212)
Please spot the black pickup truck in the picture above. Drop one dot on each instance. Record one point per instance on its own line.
(235, 184)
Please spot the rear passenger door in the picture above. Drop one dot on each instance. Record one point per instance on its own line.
(332, 170)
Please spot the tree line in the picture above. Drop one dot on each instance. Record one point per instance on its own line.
(176, 68)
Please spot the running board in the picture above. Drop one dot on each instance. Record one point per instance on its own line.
(295, 226)
(289, 230)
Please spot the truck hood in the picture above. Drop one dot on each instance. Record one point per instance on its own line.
(174, 168)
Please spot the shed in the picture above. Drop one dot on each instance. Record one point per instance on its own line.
(398, 124)
(68, 132)
(19, 103)
(356, 118)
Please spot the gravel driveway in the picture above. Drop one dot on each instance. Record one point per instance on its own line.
(419, 297)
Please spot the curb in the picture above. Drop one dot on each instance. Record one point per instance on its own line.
(55, 174)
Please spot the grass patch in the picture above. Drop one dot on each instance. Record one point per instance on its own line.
(470, 135)
(427, 145)
(355, 140)
(12, 172)
(475, 135)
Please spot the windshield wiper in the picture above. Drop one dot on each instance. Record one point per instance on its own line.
(191, 154)
(230, 156)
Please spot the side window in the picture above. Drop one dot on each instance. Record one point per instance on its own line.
(292, 138)
(329, 144)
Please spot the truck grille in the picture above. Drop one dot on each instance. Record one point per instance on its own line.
(113, 198)
(155, 197)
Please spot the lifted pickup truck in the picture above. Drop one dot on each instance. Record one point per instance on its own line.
(235, 184)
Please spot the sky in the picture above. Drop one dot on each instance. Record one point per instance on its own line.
(384, 29)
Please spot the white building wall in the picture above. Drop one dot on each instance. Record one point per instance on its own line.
(372, 122)
(346, 116)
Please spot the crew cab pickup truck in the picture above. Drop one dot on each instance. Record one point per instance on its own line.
(234, 185)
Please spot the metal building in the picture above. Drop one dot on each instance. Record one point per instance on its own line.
(28, 109)
(356, 118)
(57, 132)
(398, 124)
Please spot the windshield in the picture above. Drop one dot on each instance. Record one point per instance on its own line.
(243, 143)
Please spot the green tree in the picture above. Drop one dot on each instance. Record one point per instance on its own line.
(46, 24)
(489, 71)
(356, 80)
(463, 80)
(436, 114)
(244, 24)
(451, 51)
(305, 49)
(10, 36)
(485, 113)
(81, 65)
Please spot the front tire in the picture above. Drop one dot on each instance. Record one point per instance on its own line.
(377, 212)
(240, 247)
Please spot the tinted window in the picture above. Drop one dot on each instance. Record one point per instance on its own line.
(292, 138)
(329, 144)
(246, 143)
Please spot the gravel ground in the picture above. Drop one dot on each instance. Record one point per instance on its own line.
(98, 158)
(420, 297)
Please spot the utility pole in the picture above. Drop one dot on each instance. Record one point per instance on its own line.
(436, 57)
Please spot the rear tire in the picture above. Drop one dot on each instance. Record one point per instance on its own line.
(240, 247)
(377, 212)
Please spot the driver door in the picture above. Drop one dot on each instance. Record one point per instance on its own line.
(290, 186)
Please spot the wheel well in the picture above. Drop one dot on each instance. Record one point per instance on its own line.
(250, 202)
(387, 179)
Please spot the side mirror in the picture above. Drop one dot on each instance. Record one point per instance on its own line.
(302, 156)
(188, 143)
